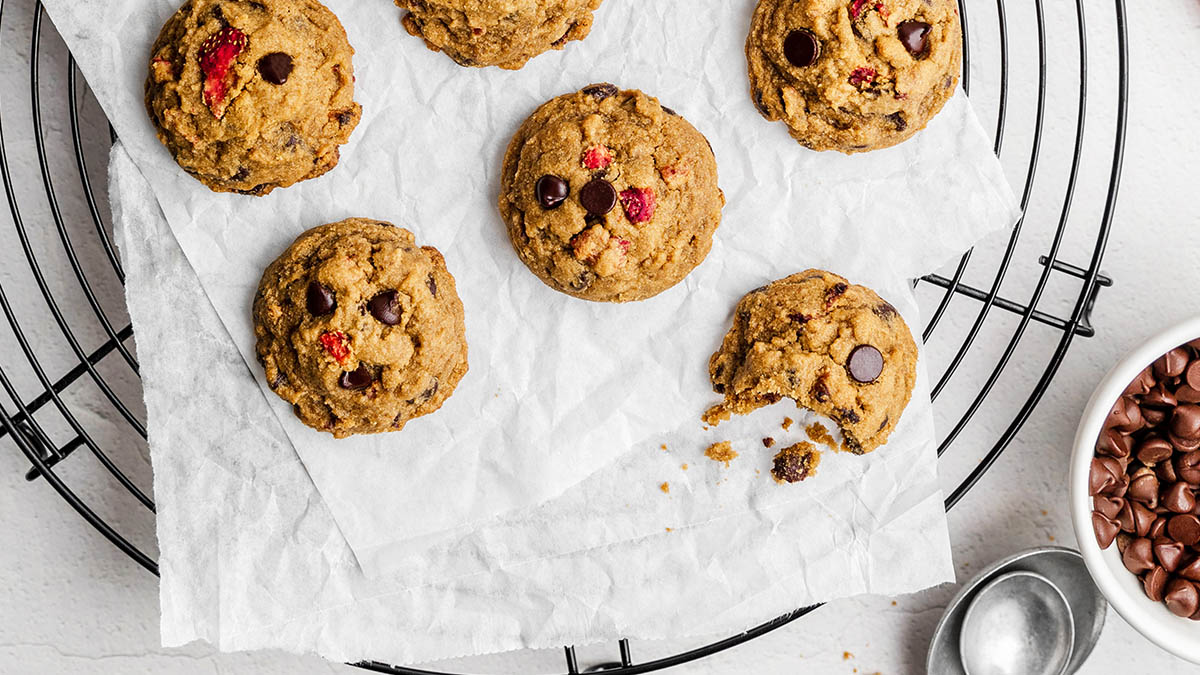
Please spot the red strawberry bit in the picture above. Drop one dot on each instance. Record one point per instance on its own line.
(163, 70)
(883, 11)
(856, 9)
(639, 204)
(597, 157)
(337, 345)
(217, 57)
(624, 244)
(863, 75)
(674, 174)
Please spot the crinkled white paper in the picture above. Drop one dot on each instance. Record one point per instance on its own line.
(250, 557)
(559, 388)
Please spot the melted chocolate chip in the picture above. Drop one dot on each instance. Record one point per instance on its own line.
(583, 281)
(801, 48)
(601, 91)
(760, 104)
(551, 191)
(354, 380)
(865, 364)
(897, 120)
(669, 111)
(835, 291)
(914, 35)
(275, 67)
(598, 197)
(820, 391)
(319, 299)
(884, 311)
(385, 307)
(432, 284)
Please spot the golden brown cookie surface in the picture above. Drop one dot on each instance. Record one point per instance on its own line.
(359, 328)
(251, 95)
(609, 196)
(835, 348)
(504, 33)
(853, 75)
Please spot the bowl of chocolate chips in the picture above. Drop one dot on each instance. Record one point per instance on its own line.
(1135, 489)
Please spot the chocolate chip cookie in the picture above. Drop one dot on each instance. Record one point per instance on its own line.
(609, 196)
(832, 347)
(251, 95)
(504, 33)
(359, 328)
(853, 75)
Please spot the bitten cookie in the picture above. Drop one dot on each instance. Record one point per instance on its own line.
(832, 347)
(251, 95)
(853, 75)
(359, 328)
(609, 196)
(504, 33)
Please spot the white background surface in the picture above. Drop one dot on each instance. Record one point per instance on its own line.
(73, 603)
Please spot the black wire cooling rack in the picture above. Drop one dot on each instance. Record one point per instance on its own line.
(77, 316)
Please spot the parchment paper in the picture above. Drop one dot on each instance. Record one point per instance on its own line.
(558, 387)
(250, 557)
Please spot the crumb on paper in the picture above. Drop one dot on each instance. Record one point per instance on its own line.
(669, 529)
(721, 451)
(664, 447)
(846, 447)
(795, 463)
(893, 603)
(787, 423)
(819, 434)
(846, 656)
(768, 442)
(1051, 537)
(683, 466)
(715, 415)
(1045, 512)
(665, 487)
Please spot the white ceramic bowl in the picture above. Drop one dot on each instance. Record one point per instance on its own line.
(1122, 589)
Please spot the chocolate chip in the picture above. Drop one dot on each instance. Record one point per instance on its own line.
(669, 111)
(1107, 506)
(1169, 553)
(343, 117)
(1153, 450)
(846, 416)
(1187, 467)
(1158, 528)
(1106, 529)
(835, 291)
(793, 464)
(1143, 487)
(1138, 556)
(275, 67)
(1178, 498)
(1191, 570)
(1181, 597)
(427, 394)
(601, 91)
(241, 174)
(1154, 582)
(359, 378)
(1171, 364)
(551, 191)
(431, 283)
(801, 48)
(319, 299)
(865, 364)
(820, 391)
(1185, 427)
(1125, 416)
(1159, 397)
(1115, 444)
(598, 197)
(1192, 374)
(1185, 393)
(884, 311)
(759, 104)
(914, 35)
(897, 120)
(1105, 474)
(799, 318)
(385, 307)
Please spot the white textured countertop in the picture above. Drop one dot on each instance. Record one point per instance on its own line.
(73, 603)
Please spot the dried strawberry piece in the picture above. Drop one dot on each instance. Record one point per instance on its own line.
(638, 203)
(862, 75)
(337, 345)
(597, 157)
(674, 174)
(162, 69)
(217, 57)
(883, 11)
(624, 244)
(857, 7)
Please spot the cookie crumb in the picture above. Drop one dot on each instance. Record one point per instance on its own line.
(846, 656)
(684, 467)
(665, 487)
(664, 447)
(768, 442)
(819, 434)
(669, 529)
(721, 452)
(787, 423)
(795, 463)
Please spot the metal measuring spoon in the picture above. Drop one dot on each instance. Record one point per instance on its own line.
(1019, 623)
